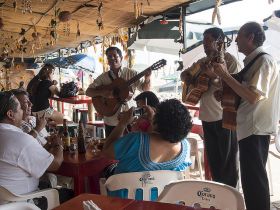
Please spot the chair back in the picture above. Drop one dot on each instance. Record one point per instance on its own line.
(19, 205)
(51, 195)
(204, 194)
(277, 140)
(145, 185)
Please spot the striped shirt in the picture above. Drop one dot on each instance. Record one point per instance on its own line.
(27, 126)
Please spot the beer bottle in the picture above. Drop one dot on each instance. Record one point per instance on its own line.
(66, 136)
(81, 138)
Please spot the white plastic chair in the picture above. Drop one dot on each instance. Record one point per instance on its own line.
(146, 181)
(196, 151)
(51, 195)
(204, 194)
(277, 140)
(19, 205)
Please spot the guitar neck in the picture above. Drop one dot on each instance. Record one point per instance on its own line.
(137, 77)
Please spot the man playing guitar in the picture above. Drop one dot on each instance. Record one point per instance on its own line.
(257, 113)
(114, 56)
(220, 143)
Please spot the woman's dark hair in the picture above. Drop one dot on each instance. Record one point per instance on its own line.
(215, 32)
(152, 99)
(45, 71)
(8, 102)
(114, 49)
(257, 30)
(172, 120)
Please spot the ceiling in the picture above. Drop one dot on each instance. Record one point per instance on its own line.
(18, 37)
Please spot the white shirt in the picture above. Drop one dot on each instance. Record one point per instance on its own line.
(210, 109)
(104, 79)
(22, 160)
(260, 118)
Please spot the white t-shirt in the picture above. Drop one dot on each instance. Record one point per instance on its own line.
(22, 160)
(210, 109)
(104, 79)
(260, 118)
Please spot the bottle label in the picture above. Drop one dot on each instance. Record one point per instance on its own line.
(66, 141)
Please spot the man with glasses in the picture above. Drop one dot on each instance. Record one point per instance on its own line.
(22, 159)
(114, 56)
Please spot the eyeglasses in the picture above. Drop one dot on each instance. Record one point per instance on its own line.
(6, 96)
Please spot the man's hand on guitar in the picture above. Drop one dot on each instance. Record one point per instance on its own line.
(148, 74)
(220, 69)
(147, 77)
(207, 69)
(185, 77)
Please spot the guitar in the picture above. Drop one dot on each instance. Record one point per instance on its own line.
(197, 81)
(121, 89)
(194, 87)
(230, 102)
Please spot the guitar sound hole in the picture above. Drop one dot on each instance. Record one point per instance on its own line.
(116, 92)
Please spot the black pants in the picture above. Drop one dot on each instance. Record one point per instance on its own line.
(253, 156)
(221, 148)
(108, 129)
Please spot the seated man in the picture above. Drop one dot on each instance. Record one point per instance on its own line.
(29, 124)
(165, 147)
(22, 160)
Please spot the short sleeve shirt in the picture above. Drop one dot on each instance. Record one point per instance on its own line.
(22, 160)
(211, 109)
(29, 124)
(105, 79)
(42, 95)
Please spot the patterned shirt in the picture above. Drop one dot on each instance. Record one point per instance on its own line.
(27, 126)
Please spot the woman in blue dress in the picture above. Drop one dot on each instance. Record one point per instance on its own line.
(164, 148)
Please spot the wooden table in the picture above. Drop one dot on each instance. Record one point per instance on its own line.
(79, 99)
(112, 203)
(80, 166)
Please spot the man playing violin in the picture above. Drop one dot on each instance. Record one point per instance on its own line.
(257, 113)
(220, 143)
(114, 56)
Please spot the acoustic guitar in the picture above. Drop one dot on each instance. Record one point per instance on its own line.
(121, 89)
(194, 87)
(230, 102)
(197, 82)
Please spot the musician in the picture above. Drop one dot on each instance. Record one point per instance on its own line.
(220, 143)
(257, 114)
(114, 56)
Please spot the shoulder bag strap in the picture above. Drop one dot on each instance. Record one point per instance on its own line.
(248, 66)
